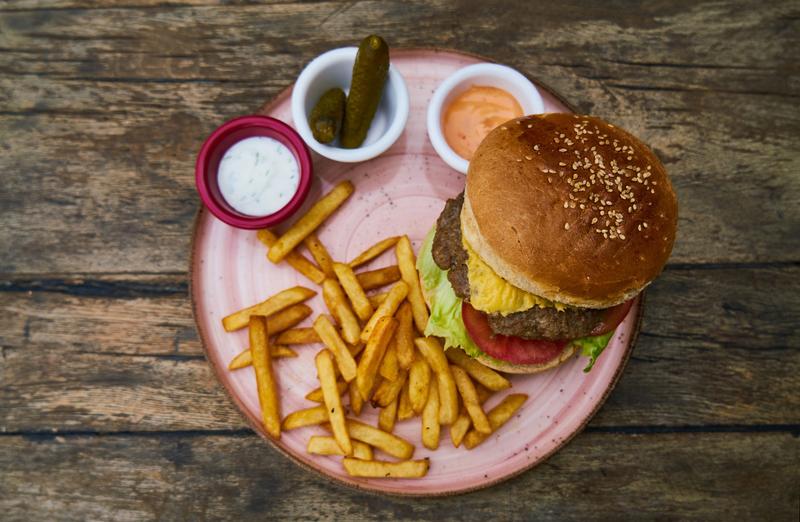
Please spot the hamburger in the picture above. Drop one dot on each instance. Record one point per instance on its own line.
(564, 220)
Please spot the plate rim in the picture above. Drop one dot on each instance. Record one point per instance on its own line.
(240, 407)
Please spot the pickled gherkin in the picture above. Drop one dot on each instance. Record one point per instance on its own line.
(369, 76)
(327, 115)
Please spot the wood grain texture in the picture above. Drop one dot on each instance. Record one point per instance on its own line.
(108, 410)
(715, 349)
(697, 476)
(116, 102)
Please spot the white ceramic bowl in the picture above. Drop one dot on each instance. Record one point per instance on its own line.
(487, 74)
(335, 69)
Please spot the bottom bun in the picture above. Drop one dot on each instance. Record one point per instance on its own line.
(509, 367)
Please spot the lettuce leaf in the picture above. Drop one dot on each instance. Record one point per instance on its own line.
(445, 319)
(592, 347)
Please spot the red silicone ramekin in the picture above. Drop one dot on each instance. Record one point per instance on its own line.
(213, 149)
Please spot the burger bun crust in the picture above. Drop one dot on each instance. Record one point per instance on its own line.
(570, 208)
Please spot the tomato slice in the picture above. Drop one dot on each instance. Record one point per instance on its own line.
(506, 347)
(613, 317)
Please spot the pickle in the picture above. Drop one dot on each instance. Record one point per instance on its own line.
(369, 76)
(327, 115)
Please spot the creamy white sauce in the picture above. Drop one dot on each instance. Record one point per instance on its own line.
(258, 176)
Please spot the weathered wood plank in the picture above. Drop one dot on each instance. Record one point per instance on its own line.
(102, 111)
(718, 347)
(701, 476)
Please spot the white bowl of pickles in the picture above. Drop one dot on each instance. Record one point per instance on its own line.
(345, 128)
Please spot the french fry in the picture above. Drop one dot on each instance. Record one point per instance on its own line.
(386, 442)
(322, 445)
(383, 469)
(373, 353)
(408, 270)
(430, 420)
(460, 427)
(265, 381)
(271, 305)
(245, 357)
(329, 335)
(332, 294)
(298, 336)
(333, 403)
(294, 259)
(376, 299)
(387, 308)
(307, 417)
(319, 253)
(287, 318)
(405, 336)
(353, 290)
(339, 307)
(419, 384)
(404, 410)
(498, 416)
(355, 349)
(483, 392)
(387, 390)
(362, 451)
(482, 374)
(316, 395)
(351, 330)
(304, 226)
(374, 251)
(433, 352)
(387, 416)
(389, 367)
(372, 279)
(463, 423)
(471, 402)
(356, 400)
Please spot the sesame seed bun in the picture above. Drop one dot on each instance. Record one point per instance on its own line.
(570, 208)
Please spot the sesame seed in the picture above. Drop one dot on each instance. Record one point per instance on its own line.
(566, 204)
(566, 226)
(562, 150)
(528, 158)
(562, 164)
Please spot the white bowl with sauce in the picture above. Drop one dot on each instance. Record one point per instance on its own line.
(458, 84)
(335, 69)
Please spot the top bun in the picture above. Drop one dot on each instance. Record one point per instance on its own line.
(570, 208)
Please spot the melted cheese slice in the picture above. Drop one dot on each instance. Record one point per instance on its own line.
(490, 293)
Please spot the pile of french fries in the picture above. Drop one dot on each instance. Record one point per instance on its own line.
(373, 351)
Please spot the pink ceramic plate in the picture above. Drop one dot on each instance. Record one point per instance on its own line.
(400, 192)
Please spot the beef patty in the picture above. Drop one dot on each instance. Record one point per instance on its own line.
(534, 323)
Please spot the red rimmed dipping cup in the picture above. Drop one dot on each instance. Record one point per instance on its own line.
(222, 139)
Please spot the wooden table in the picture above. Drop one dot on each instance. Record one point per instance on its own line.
(108, 409)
